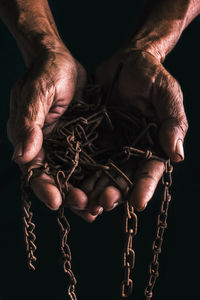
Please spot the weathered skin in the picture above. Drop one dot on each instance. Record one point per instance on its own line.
(54, 77)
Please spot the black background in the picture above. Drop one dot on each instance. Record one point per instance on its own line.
(93, 33)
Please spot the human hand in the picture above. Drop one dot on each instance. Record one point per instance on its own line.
(38, 100)
(146, 85)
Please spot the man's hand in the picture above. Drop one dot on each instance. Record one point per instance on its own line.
(43, 93)
(146, 85)
(38, 100)
(143, 84)
(41, 96)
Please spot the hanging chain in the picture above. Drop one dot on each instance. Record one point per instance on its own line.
(78, 152)
(66, 253)
(62, 183)
(128, 253)
(29, 227)
(35, 170)
(161, 226)
(130, 226)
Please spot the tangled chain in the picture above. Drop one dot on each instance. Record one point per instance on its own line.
(74, 149)
(161, 226)
(29, 227)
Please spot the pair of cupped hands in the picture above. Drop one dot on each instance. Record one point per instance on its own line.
(44, 92)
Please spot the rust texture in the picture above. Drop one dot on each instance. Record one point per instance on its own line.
(74, 149)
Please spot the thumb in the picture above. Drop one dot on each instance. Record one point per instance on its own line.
(24, 127)
(171, 136)
(27, 148)
(168, 103)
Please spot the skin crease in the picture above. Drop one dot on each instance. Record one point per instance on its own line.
(54, 78)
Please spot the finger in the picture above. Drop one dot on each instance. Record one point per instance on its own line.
(28, 146)
(45, 189)
(92, 186)
(168, 103)
(28, 108)
(93, 196)
(76, 198)
(115, 195)
(85, 215)
(88, 183)
(145, 182)
(43, 186)
(110, 198)
(105, 194)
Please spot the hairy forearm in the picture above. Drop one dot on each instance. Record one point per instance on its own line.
(32, 25)
(162, 25)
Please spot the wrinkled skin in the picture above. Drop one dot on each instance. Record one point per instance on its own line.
(146, 85)
(41, 96)
(38, 99)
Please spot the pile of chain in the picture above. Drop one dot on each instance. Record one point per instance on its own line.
(74, 149)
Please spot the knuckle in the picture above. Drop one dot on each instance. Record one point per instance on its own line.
(166, 88)
(145, 176)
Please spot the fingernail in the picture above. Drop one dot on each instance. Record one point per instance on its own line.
(140, 209)
(100, 211)
(18, 152)
(179, 149)
(115, 204)
(97, 212)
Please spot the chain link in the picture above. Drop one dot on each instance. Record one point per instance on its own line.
(130, 225)
(75, 157)
(62, 183)
(131, 228)
(161, 226)
(66, 253)
(33, 171)
(29, 227)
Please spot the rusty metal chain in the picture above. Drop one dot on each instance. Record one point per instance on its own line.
(72, 152)
(130, 229)
(66, 253)
(29, 225)
(161, 226)
(64, 226)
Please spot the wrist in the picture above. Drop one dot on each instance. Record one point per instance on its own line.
(158, 41)
(162, 24)
(34, 43)
(32, 25)
(151, 48)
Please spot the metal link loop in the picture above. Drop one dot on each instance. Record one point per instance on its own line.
(70, 153)
(129, 258)
(161, 226)
(29, 227)
(66, 253)
(130, 220)
(126, 290)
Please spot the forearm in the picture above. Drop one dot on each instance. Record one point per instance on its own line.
(162, 25)
(32, 25)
